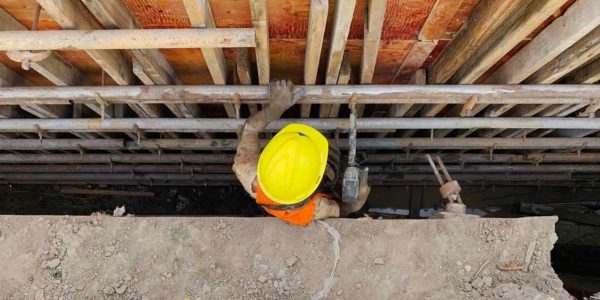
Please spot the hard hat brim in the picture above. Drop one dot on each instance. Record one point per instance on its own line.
(322, 146)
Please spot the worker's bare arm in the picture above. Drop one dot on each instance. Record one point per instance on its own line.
(248, 151)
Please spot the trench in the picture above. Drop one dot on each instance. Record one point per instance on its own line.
(575, 257)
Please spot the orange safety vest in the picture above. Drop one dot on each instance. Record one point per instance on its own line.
(297, 214)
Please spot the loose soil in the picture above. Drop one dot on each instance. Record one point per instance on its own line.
(105, 257)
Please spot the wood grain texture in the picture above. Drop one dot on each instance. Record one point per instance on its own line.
(580, 19)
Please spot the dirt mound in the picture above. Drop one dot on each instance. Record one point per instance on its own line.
(263, 258)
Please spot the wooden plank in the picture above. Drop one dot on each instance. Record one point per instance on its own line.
(579, 20)
(54, 68)
(587, 74)
(374, 16)
(127, 39)
(375, 13)
(149, 65)
(200, 15)
(343, 79)
(258, 9)
(339, 34)
(440, 16)
(9, 77)
(344, 11)
(72, 14)
(196, 11)
(243, 71)
(317, 21)
(419, 52)
(512, 31)
(486, 17)
(585, 50)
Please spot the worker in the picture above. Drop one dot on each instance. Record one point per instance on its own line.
(291, 177)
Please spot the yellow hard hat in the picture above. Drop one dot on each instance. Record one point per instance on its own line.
(292, 164)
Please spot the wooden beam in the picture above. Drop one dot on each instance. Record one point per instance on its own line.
(344, 12)
(72, 14)
(587, 74)
(487, 16)
(243, 71)
(583, 51)
(440, 16)
(511, 32)
(374, 16)
(197, 12)
(54, 68)
(343, 79)
(317, 21)
(260, 21)
(127, 39)
(579, 20)
(9, 77)
(419, 52)
(149, 65)
(323, 94)
(408, 109)
(200, 15)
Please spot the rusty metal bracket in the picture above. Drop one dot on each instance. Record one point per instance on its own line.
(237, 104)
(39, 132)
(353, 101)
(81, 151)
(103, 103)
(407, 150)
(139, 132)
(491, 150)
(159, 150)
(468, 106)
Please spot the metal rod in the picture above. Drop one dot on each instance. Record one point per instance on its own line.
(201, 183)
(435, 170)
(444, 170)
(232, 125)
(329, 94)
(115, 158)
(371, 159)
(392, 143)
(226, 169)
(572, 144)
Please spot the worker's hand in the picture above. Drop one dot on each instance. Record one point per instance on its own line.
(280, 95)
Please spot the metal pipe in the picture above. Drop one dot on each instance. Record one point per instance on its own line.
(328, 94)
(470, 158)
(110, 168)
(61, 144)
(115, 158)
(366, 143)
(232, 125)
(396, 158)
(393, 143)
(548, 168)
(200, 183)
(128, 39)
(226, 169)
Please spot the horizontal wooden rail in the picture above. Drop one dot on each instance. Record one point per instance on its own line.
(233, 125)
(127, 39)
(329, 94)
